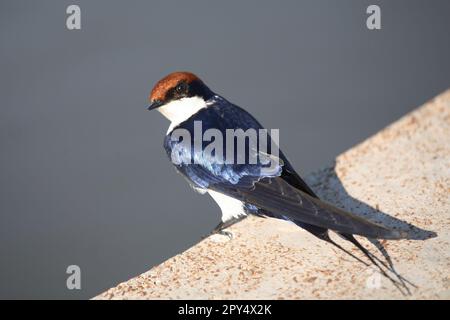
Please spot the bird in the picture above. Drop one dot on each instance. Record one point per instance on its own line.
(243, 189)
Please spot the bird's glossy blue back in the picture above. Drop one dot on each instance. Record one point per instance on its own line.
(198, 167)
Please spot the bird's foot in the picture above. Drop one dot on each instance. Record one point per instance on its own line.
(219, 231)
(226, 233)
(219, 235)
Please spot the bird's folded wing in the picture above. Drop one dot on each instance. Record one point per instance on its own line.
(277, 196)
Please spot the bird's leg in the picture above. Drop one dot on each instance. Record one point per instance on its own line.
(224, 225)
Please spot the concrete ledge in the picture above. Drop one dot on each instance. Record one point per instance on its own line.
(403, 172)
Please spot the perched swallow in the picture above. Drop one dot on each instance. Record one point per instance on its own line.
(243, 189)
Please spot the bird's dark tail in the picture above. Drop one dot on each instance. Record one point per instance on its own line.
(321, 233)
(380, 264)
(399, 283)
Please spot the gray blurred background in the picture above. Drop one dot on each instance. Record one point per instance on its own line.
(83, 176)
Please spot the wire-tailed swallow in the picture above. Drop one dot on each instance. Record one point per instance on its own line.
(241, 189)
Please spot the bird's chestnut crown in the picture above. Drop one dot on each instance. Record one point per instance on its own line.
(175, 86)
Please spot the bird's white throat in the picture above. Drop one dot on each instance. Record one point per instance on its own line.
(180, 110)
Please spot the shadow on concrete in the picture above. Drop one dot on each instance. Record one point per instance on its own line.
(337, 195)
(331, 189)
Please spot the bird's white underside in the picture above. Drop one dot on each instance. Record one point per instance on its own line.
(180, 110)
(231, 208)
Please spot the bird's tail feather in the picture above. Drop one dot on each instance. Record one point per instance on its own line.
(400, 284)
(323, 234)
(375, 260)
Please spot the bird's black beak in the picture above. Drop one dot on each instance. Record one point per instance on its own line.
(154, 105)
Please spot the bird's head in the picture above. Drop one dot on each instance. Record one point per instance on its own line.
(178, 95)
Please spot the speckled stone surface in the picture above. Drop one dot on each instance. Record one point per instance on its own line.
(403, 172)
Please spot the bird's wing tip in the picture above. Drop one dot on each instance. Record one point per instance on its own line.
(411, 235)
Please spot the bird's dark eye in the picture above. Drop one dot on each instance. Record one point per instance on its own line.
(181, 88)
